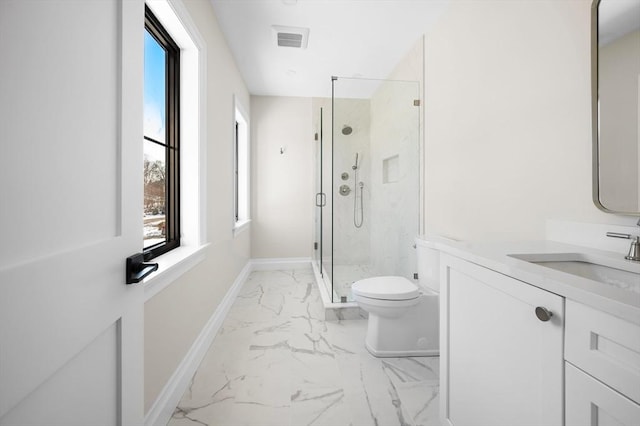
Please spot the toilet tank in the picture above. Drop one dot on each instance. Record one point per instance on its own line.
(428, 260)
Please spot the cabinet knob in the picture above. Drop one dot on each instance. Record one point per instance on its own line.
(543, 314)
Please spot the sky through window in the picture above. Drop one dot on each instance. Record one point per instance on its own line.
(154, 88)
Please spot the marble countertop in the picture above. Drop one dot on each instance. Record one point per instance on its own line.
(621, 302)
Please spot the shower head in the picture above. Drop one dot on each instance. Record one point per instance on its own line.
(346, 130)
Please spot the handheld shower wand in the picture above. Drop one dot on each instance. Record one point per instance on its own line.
(357, 221)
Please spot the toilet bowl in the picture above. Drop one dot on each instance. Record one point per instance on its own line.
(403, 316)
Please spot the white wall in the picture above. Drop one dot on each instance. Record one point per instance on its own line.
(507, 119)
(282, 184)
(175, 316)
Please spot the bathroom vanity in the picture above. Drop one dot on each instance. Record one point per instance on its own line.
(538, 333)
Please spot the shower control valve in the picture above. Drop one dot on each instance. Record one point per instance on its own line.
(345, 190)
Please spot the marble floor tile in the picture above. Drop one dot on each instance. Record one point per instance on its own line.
(319, 406)
(275, 361)
(420, 401)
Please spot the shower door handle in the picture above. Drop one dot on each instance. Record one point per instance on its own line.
(321, 199)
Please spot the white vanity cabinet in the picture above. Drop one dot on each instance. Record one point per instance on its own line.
(602, 372)
(500, 363)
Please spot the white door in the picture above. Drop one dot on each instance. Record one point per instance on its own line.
(500, 364)
(71, 334)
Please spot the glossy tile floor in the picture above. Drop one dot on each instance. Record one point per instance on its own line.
(274, 362)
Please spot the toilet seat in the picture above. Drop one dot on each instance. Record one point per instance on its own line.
(386, 288)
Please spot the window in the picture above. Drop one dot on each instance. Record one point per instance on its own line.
(236, 139)
(241, 169)
(161, 139)
(176, 20)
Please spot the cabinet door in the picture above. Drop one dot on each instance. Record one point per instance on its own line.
(500, 364)
(590, 402)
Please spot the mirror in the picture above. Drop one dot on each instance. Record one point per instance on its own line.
(615, 105)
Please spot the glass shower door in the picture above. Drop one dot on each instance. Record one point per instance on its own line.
(322, 253)
(319, 195)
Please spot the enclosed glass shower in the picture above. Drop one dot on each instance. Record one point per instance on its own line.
(367, 179)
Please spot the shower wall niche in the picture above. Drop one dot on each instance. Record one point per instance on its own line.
(368, 141)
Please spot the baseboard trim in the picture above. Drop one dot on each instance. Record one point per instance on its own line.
(164, 406)
(275, 264)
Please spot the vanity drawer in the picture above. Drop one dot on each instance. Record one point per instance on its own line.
(590, 402)
(606, 347)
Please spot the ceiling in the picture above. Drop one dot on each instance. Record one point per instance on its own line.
(617, 18)
(347, 38)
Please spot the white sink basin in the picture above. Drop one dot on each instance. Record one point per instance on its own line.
(620, 273)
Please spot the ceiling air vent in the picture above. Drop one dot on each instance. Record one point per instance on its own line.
(291, 36)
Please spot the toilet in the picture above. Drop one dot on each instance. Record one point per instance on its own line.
(403, 316)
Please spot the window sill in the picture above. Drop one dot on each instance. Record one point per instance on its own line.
(241, 226)
(171, 266)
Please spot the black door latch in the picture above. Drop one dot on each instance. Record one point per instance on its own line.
(137, 268)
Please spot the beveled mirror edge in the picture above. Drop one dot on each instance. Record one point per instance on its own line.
(595, 174)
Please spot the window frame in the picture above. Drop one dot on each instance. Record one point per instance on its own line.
(236, 167)
(172, 137)
(241, 149)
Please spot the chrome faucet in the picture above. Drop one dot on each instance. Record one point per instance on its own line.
(634, 250)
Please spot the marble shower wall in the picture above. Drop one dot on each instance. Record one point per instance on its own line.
(351, 245)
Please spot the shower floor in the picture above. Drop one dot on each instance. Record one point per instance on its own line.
(344, 276)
